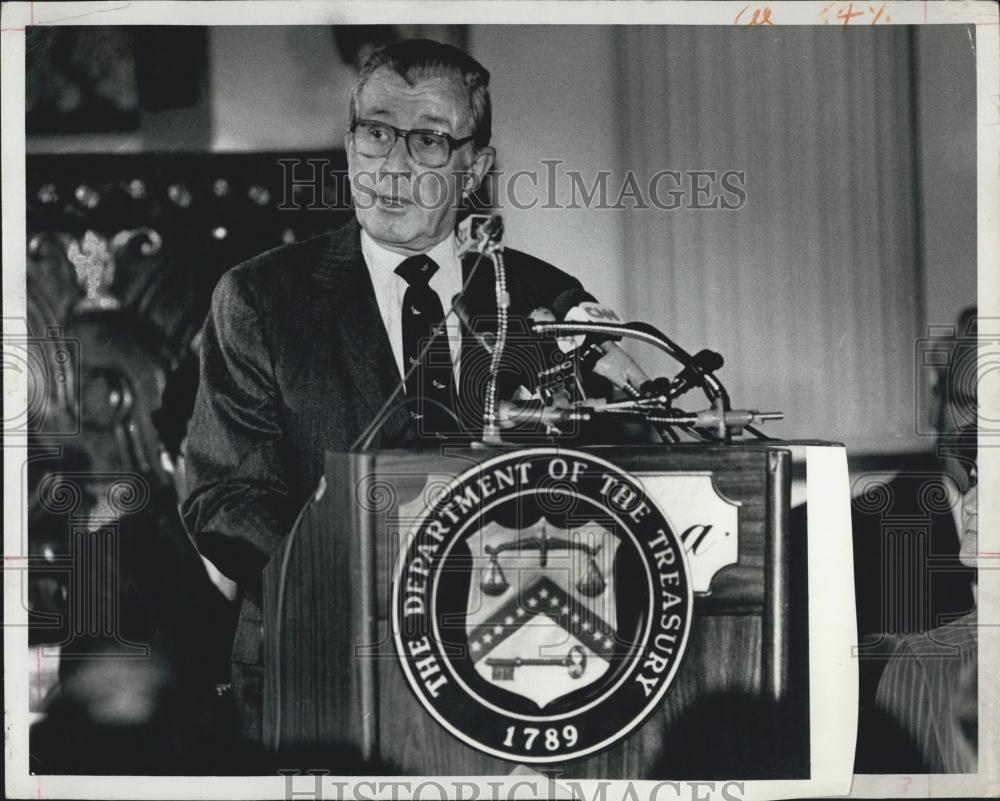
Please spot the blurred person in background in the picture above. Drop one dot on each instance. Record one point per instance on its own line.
(929, 688)
(910, 574)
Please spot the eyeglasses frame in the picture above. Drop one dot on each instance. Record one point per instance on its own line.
(404, 134)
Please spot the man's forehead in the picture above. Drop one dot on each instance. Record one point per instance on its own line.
(436, 99)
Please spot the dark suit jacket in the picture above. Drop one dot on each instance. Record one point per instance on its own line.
(295, 361)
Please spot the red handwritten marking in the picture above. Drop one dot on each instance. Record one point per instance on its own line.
(761, 16)
(846, 12)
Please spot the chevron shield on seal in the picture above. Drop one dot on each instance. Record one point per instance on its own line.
(541, 610)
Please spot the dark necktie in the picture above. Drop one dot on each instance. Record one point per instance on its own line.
(431, 384)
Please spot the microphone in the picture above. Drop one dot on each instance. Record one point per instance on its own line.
(620, 369)
(600, 354)
(568, 306)
(704, 361)
(479, 232)
(513, 413)
(722, 422)
(558, 379)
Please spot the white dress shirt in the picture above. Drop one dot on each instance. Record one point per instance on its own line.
(390, 288)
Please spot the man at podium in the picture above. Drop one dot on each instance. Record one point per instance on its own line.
(305, 344)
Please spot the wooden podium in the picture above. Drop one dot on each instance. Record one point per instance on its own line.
(335, 689)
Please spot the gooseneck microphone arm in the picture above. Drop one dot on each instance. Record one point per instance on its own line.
(644, 333)
(713, 386)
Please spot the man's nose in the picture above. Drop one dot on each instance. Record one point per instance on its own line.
(397, 160)
(970, 504)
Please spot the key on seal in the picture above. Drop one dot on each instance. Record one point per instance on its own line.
(575, 662)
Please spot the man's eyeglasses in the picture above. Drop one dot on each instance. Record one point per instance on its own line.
(427, 148)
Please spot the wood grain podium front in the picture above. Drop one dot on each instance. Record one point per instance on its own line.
(336, 694)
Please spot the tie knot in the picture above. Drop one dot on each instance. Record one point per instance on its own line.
(417, 270)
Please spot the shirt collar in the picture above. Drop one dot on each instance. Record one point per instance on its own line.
(383, 261)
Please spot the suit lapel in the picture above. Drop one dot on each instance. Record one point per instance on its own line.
(361, 341)
(479, 297)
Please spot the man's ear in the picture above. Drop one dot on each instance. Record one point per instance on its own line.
(481, 164)
(348, 139)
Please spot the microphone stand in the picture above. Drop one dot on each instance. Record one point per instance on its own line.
(491, 412)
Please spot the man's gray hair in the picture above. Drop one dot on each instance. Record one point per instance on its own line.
(418, 59)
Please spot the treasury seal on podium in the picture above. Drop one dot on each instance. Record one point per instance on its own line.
(541, 605)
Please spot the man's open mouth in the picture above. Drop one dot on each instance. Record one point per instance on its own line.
(394, 202)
